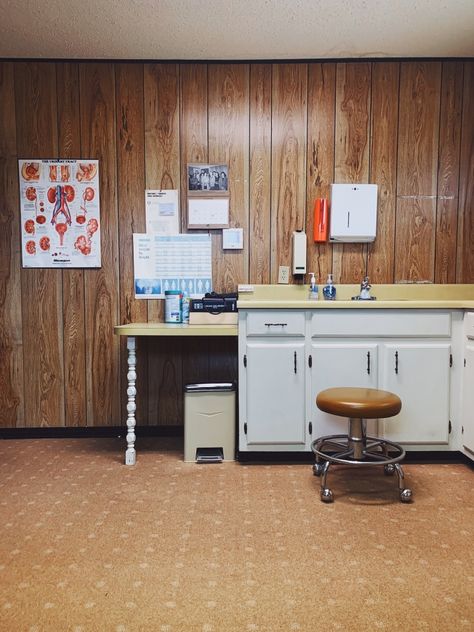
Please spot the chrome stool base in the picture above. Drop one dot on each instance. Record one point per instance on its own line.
(357, 449)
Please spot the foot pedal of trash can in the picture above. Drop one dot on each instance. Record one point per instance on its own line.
(209, 455)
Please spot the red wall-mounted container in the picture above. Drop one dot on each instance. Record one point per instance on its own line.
(321, 220)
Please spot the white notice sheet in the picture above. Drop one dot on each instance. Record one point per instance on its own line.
(172, 262)
(161, 209)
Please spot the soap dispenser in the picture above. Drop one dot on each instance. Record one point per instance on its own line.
(329, 290)
(313, 288)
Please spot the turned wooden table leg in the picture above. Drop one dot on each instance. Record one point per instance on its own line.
(130, 453)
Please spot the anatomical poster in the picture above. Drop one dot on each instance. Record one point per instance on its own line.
(60, 213)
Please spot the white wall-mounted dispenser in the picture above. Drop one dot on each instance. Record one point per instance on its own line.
(299, 252)
(353, 215)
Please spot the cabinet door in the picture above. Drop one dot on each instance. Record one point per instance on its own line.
(419, 374)
(335, 365)
(275, 393)
(468, 397)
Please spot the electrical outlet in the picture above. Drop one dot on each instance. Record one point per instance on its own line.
(284, 274)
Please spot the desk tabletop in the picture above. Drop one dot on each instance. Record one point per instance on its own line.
(172, 329)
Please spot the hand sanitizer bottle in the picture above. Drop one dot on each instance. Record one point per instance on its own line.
(329, 290)
(313, 288)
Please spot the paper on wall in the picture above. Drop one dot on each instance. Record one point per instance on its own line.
(162, 211)
(172, 262)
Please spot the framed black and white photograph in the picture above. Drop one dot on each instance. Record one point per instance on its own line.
(208, 180)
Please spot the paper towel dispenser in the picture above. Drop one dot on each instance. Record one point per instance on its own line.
(353, 214)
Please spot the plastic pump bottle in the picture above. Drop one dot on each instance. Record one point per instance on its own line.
(329, 290)
(313, 288)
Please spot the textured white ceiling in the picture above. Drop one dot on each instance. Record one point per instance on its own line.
(239, 30)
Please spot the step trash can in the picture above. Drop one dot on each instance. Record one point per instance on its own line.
(209, 422)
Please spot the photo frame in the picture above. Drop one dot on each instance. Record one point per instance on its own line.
(208, 195)
(208, 180)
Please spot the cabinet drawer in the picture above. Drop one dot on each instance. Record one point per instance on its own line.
(275, 322)
(368, 323)
(469, 325)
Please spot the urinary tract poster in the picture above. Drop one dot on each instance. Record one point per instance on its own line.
(60, 213)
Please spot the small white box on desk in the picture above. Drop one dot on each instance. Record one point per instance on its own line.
(353, 214)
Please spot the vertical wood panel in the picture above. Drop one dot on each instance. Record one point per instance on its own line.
(383, 167)
(448, 172)
(229, 144)
(41, 289)
(414, 259)
(162, 169)
(417, 171)
(465, 259)
(257, 243)
(131, 209)
(351, 155)
(69, 143)
(194, 148)
(320, 160)
(289, 121)
(11, 350)
(97, 85)
(419, 125)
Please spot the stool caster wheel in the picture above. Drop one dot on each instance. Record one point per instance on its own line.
(405, 495)
(326, 495)
(318, 469)
(388, 470)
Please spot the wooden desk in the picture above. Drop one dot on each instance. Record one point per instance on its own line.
(134, 330)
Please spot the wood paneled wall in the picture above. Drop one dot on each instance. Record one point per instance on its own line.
(286, 131)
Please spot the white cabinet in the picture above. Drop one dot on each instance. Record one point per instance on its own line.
(468, 387)
(272, 381)
(468, 398)
(275, 403)
(287, 356)
(419, 373)
(340, 364)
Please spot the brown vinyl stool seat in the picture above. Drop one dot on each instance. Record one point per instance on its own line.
(355, 448)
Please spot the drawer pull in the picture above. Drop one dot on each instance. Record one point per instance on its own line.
(276, 324)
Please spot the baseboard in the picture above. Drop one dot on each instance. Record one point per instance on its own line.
(308, 457)
(100, 431)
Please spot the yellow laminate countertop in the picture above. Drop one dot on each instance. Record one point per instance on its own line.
(397, 296)
(174, 329)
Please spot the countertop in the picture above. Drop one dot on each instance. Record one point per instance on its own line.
(396, 296)
(174, 329)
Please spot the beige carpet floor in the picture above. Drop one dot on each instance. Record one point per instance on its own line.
(89, 544)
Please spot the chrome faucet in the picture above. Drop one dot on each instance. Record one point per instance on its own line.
(364, 294)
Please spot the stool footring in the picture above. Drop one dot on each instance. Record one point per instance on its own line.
(358, 449)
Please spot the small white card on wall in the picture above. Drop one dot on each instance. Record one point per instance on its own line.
(232, 238)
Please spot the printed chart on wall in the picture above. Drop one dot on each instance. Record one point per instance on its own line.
(172, 262)
(60, 213)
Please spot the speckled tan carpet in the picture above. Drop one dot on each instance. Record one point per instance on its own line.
(89, 544)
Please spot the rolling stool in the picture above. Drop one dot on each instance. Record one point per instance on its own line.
(356, 448)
